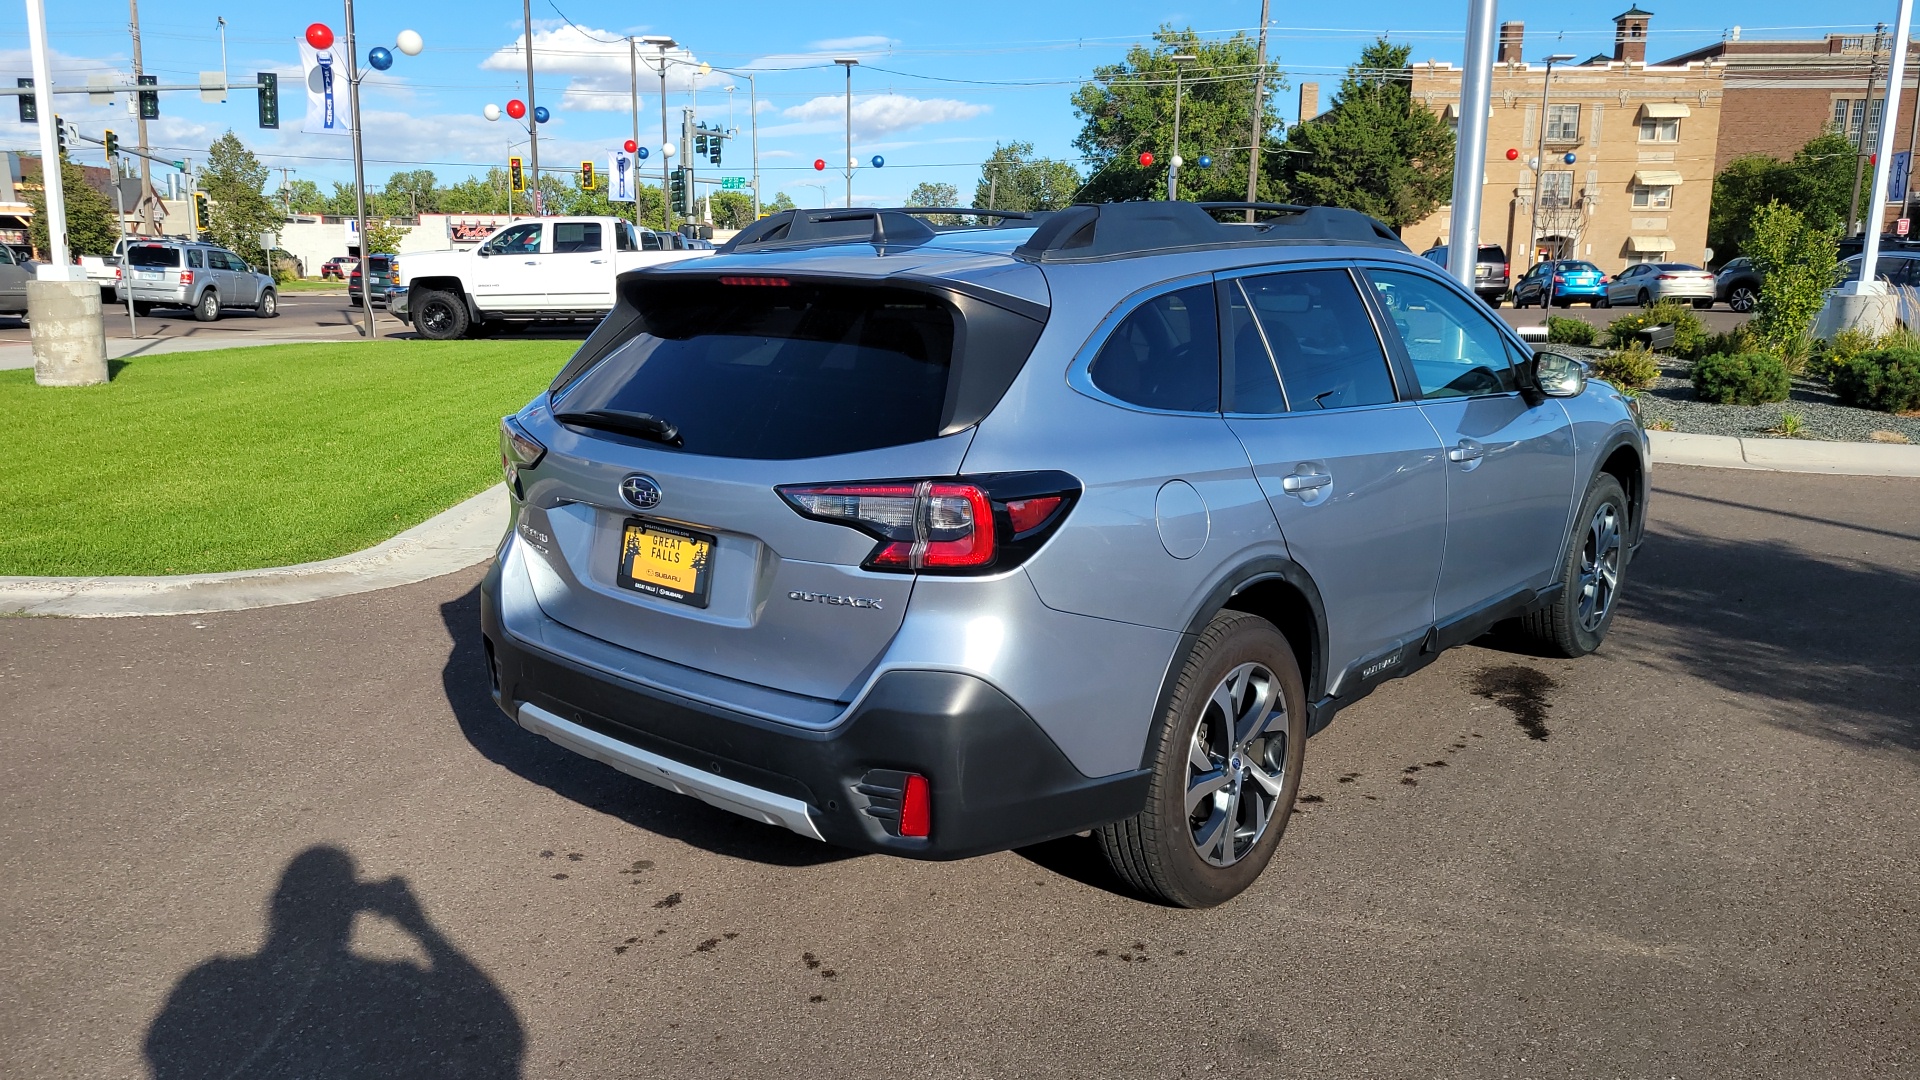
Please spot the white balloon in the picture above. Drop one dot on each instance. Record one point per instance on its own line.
(492, 112)
(667, 150)
(852, 164)
(409, 42)
(1178, 161)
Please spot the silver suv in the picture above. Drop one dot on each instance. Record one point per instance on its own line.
(203, 277)
(937, 540)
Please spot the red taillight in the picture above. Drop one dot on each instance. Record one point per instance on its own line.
(954, 526)
(186, 277)
(1506, 269)
(1558, 280)
(916, 808)
(116, 273)
(753, 279)
(1666, 277)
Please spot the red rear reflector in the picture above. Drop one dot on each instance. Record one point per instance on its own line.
(753, 279)
(1027, 514)
(916, 808)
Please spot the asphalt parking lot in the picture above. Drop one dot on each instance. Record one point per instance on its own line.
(300, 841)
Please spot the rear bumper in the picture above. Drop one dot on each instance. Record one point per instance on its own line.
(995, 778)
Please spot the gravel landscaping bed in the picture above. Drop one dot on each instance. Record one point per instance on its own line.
(1822, 417)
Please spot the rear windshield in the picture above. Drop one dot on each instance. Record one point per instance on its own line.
(1492, 253)
(1578, 268)
(153, 255)
(780, 371)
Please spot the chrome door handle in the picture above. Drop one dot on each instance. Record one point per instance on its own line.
(1468, 450)
(598, 262)
(532, 262)
(1299, 483)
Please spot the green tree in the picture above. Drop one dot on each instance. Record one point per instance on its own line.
(1128, 109)
(1376, 150)
(340, 202)
(781, 201)
(1817, 181)
(302, 197)
(410, 192)
(383, 238)
(91, 226)
(477, 194)
(931, 194)
(1013, 179)
(731, 209)
(235, 181)
(1798, 263)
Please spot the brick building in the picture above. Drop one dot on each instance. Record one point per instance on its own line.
(1644, 141)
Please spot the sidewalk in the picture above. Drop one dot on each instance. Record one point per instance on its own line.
(14, 356)
(1785, 455)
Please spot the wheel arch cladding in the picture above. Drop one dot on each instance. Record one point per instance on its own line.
(1623, 464)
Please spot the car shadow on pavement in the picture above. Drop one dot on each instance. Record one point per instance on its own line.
(1831, 642)
(591, 784)
(307, 1005)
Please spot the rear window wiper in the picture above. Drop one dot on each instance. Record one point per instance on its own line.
(643, 425)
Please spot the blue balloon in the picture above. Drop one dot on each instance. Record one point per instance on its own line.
(1571, 157)
(878, 161)
(540, 114)
(380, 59)
(641, 153)
(1204, 162)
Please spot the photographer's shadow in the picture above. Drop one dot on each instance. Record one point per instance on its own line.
(306, 1005)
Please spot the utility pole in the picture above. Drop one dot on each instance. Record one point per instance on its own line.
(533, 123)
(849, 63)
(1259, 113)
(286, 192)
(1913, 142)
(1860, 142)
(150, 223)
(1180, 61)
(359, 180)
(1539, 167)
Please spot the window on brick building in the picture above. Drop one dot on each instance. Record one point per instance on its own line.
(1859, 119)
(1649, 197)
(1556, 189)
(1660, 129)
(1563, 123)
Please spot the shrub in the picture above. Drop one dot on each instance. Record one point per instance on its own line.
(1561, 331)
(1632, 370)
(1887, 379)
(1689, 334)
(1830, 356)
(1798, 264)
(1737, 340)
(1748, 378)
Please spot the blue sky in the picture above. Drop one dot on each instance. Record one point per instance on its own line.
(936, 89)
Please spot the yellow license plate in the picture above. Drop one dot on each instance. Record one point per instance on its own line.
(669, 563)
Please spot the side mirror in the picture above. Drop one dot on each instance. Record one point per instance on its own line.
(483, 252)
(1558, 375)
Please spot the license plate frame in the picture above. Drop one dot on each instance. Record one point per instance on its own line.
(634, 532)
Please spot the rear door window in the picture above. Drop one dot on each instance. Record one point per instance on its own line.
(196, 258)
(152, 255)
(1455, 350)
(1316, 325)
(779, 372)
(1165, 354)
(572, 237)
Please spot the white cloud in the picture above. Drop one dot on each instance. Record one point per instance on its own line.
(867, 43)
(601, 67)
(822, 53)
(873, 116)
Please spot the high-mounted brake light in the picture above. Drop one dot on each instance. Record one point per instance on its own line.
(754, 279)
(959, 525)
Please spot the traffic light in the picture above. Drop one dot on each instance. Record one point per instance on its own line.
(202, 212)
(700, 143)
(29, 110)
(269, 99)
(60, 133)
(112, 142)
(677, 190)
(586, 176)
(718, 142)
(516, 179)
(149, 99)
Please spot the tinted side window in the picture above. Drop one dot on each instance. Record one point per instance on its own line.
(519, 240)
(194, 259)
(623, 238)
(576, 236)
(1456, 351)
(1166, 354)
(1249, 383)
(1322, 339)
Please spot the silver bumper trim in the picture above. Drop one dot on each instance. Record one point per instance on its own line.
(714, 790)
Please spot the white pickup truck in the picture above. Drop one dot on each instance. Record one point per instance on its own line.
(104, 270)
(545, 268)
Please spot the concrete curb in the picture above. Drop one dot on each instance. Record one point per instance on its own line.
(450, 541)
(14, 356)
(1785, 455)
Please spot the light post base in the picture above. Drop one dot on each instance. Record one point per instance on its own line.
(69, 338)
(1867, 307)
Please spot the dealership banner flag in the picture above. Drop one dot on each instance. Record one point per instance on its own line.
(620, 167)
(329, 105)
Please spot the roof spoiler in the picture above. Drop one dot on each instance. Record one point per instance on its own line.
(881, 226)
(1090, 231)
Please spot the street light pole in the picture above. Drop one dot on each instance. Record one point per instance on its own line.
(360, 179)
(1180, 61)
(1883, 156)
(753, 125)
(1539, 164)
(849, 62)
(663, 43)
(50, 174)
(633, 72)
(533, 125)
(1470, 154)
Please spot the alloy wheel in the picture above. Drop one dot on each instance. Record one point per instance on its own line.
(1600, 567)
(1236, 764)
(1741, 299)
(435, 317)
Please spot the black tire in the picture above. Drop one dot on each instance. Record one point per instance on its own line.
(142, 309)
(1645, 298)
(439, 315)
(1565, 627)
(1702, 305)
(268, 307)
(207, 308)
(1495, 302)
(1157, 850)
(1742, 298)
(1603, 302)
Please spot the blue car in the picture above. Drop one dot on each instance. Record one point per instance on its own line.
(1573, 282)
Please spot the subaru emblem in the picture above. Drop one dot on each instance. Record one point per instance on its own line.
(640, 492)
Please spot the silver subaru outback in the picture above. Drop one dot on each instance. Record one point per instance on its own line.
(938, 539)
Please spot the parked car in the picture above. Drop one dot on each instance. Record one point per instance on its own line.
(1899, 268)
(337, 268)
(1650, 283)
(15, 272)
(1490, 273)
(22, 253)
(104, 270)
(1572, 281)
(939, 540)
(1738, 285)
(204, 277)
(385, 270)
(552, 268)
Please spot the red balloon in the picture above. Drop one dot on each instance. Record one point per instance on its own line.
(516, 108)
(320, 36)
(1512, 154)
(819, 164)
(630, 146)
(1146, 159)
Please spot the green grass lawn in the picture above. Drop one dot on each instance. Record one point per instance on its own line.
(244, 458)
(311, 285)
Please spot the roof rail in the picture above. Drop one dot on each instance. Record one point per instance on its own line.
(897, 225)
(1091, 231)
